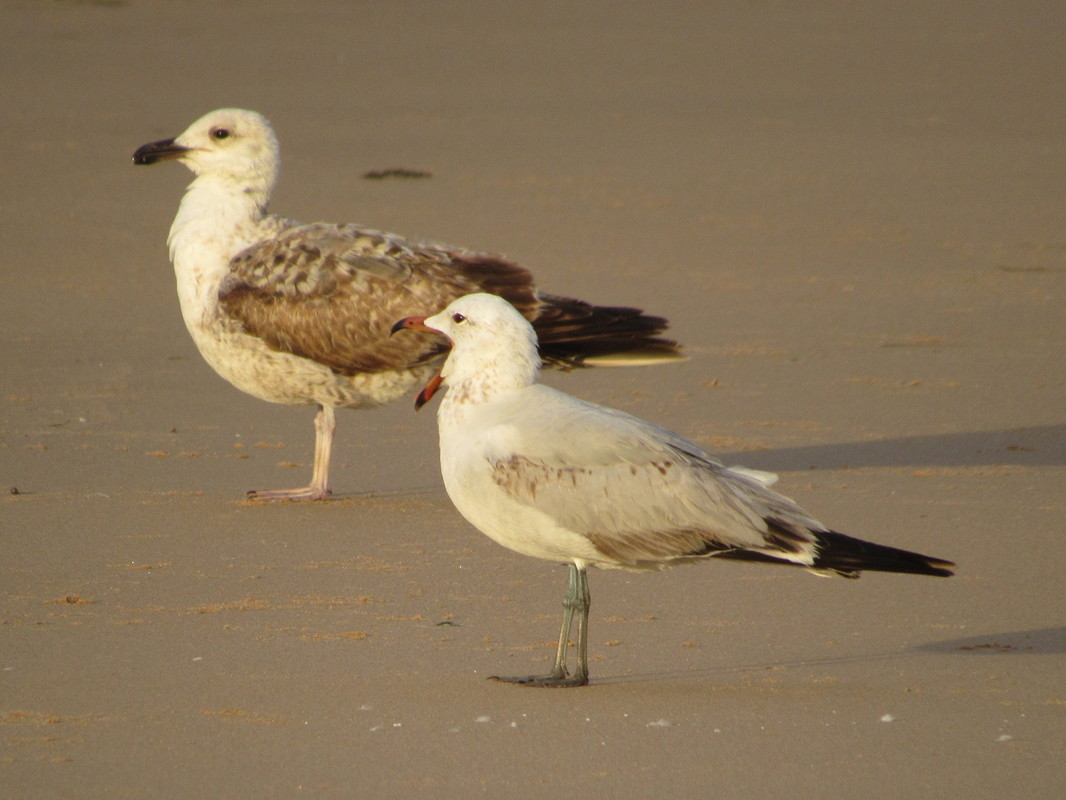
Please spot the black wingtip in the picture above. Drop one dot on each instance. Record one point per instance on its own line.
(850, 556)
(574, 333)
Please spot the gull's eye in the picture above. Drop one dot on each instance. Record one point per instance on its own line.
(457, 317)
(220, 133)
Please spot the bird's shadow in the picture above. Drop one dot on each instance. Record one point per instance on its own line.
(1040, 641)
(1038, 446)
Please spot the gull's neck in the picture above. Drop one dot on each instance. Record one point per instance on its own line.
(497, 369)
(218, 217)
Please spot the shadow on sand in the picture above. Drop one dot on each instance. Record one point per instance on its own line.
(1042, 641)
(1040, 446)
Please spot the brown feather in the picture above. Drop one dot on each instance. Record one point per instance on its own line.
(329, 293)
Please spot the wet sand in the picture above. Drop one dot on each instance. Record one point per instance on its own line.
(853, 219)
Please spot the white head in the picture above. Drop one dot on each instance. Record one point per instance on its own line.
(494, 348)
(230, 144)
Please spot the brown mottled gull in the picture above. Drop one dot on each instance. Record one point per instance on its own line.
(554, 477)
(300, 314)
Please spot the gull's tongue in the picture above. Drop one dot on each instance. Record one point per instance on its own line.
(431, 389)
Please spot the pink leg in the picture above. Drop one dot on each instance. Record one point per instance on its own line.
(325, 426)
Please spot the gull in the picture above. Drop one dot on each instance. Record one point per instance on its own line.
(300, 313)
(554, 477)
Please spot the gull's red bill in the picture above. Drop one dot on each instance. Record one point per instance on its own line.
(419, 324)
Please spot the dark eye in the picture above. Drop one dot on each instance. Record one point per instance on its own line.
(219, 133)
(457, 317)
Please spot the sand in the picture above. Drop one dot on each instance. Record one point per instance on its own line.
(853, 218)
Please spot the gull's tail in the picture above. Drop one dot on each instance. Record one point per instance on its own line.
(573, 333)
(848, 556)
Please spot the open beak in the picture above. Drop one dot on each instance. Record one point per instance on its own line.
(159, 151)
(419, 324)
(427, 393)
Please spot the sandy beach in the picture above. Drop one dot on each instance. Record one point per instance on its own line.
(853, 218)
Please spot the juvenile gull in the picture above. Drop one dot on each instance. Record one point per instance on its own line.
(554, 477)
(300, 314)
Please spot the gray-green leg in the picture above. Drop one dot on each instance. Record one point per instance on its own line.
(577, 599)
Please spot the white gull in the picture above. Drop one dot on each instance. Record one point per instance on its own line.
(557, 478)
(300, 313)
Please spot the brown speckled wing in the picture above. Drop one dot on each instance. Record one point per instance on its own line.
(331, 293)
